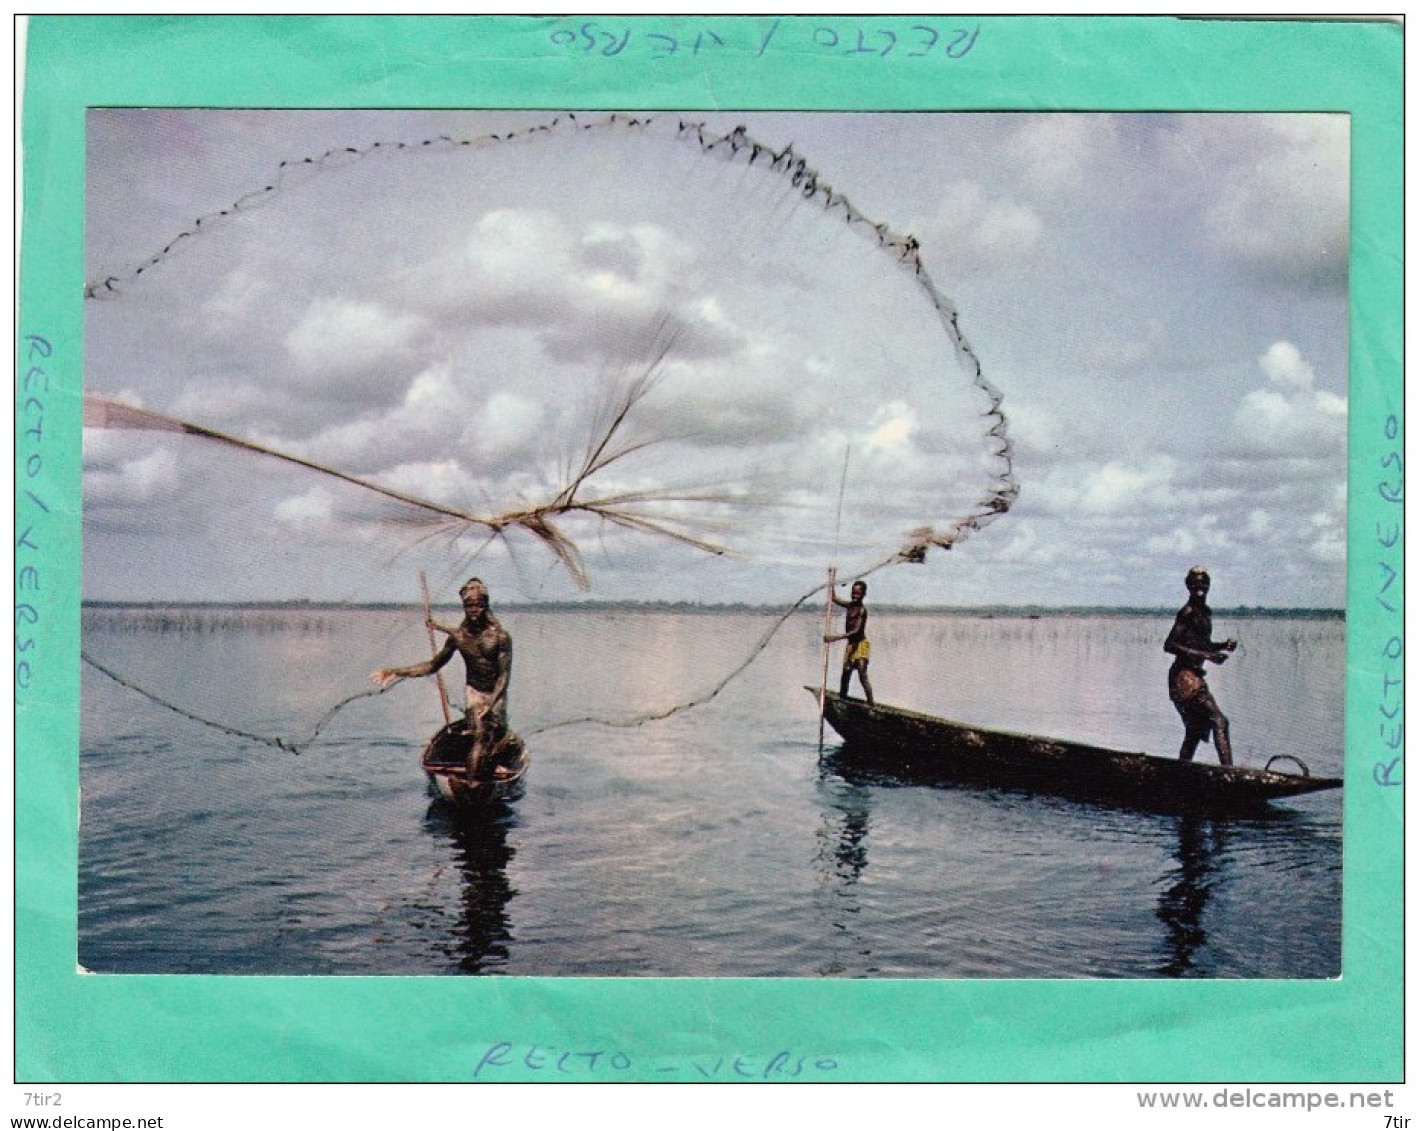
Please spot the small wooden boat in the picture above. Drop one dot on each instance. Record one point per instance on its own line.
(445, 761)
(912, 743)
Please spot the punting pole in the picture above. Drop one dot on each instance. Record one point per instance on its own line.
(828, 604)
(433, 647)
(827, 649)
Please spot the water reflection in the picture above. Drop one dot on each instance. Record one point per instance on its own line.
(1204, 877)
(875, 874)
(1224, 866)
(483, 931)
(840, 859)
(1200, 844)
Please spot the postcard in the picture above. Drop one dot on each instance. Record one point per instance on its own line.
(685, 549)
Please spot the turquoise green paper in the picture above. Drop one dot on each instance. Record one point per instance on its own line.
(72, 1027)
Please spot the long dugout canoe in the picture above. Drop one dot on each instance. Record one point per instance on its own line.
(910, 743)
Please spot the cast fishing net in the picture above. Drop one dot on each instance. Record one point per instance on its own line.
(607, 358)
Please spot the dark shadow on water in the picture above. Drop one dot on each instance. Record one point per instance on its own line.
(480, 937)
(1182, 906)
(840, 859)
(888, 767)
(1207, 853)
(1294, 855)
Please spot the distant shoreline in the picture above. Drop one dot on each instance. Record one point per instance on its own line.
(685, 607)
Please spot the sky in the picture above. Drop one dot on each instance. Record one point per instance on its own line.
(1159, 300)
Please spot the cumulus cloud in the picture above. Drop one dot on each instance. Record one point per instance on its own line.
(1056, 154)
(1116, 487)
(508, 422)
(1279, 200)
(1119, 486)
(1327, 529)
(1289, 416)
(239, 295)
(1025, 543)
(241, 406)
(587, 291)
(523, 266)
(517, 250)
(970, 230)
(340, 337)
(148, 479)
(440, 480)
(454, 343)
(727, 412)
(486, 429)
(309, 512)
(1201, 536)
(514, 267)
(1043, 435)
(892, 428)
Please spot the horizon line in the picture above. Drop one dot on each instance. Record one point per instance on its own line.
(692, 606)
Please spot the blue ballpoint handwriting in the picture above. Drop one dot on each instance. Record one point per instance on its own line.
(31, 510)
(1388, 768)
(505, 1059)
(841, 38)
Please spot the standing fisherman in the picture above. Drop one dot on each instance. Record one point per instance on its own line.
(1190, 641)
(486, 649)
(855, 633)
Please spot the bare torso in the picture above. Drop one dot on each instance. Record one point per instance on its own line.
(486, 651)
(855, 623)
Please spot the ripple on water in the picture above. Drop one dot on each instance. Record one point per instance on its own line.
(716, 844)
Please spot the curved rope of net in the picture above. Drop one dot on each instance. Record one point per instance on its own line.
(290, 746)
(298, 746)
(735, 146)
(911, 553)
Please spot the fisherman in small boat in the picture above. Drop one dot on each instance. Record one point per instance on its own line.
(855, 633)
(486, 649)
(1190, 643)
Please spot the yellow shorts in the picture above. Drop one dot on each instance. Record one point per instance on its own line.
(862, 650)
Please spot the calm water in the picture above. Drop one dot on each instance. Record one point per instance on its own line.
(715, 843)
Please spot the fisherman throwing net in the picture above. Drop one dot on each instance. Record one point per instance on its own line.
(612, 357)
(486, 649)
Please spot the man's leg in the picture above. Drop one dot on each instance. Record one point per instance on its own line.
(866, 684)
(1216, 724)
(495, 732)
(1195, 730)
(478, 728)
(476, 719)
(1222, 738)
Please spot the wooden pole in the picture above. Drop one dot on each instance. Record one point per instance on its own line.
(827, 650)
(433, 648)
(828, 605)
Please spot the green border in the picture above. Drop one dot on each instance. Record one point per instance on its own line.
(71, 1028)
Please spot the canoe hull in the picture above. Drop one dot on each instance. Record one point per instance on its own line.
(445, 763)
(911, 743)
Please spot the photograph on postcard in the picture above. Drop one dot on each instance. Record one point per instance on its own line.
(769, 545)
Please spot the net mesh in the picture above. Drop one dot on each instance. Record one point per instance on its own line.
(613, 357)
